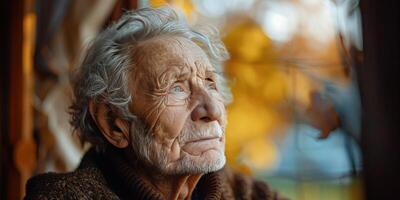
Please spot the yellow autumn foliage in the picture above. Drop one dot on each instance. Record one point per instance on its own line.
(258, 87)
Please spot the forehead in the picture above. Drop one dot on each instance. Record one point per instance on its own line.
(167, 53)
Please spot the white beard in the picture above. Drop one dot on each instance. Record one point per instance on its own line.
(148, 152)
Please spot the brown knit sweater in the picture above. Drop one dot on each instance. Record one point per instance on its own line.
(109, 176)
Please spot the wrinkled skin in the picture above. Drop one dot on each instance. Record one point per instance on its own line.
(179, 129)
(176, 94)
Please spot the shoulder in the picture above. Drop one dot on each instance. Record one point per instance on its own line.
(245, 187)
(81, 184)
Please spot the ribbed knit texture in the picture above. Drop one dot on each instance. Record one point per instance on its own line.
(109, 176)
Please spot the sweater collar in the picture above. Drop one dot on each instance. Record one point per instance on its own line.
(126, 182)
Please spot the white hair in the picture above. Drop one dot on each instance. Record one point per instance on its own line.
(104, 73)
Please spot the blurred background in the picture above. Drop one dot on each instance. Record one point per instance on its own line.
(313, 83)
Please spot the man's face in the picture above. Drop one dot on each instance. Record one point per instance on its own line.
(177, 96)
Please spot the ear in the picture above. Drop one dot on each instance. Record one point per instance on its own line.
(116, 131)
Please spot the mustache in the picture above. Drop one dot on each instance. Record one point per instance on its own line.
(197, 132)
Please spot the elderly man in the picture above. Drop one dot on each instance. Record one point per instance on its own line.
(150, 98)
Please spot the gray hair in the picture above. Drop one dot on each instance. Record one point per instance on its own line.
(103, 75)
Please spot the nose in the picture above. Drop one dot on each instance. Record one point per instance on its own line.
(207, 109)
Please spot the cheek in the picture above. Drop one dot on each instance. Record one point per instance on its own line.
(172, 120)
(223, 119)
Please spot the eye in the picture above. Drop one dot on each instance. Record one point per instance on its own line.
(210, 83)
(177, 89)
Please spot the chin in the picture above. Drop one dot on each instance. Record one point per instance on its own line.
(210, 161)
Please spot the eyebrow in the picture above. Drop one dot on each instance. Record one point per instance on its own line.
(177, 73)
(171, 75)
(183, 76)
(212, 72)
(180, 73)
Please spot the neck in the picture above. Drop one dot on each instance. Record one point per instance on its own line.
(175, 186)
